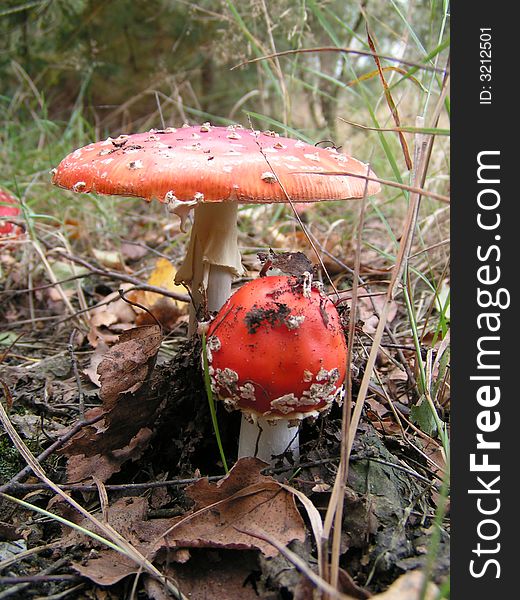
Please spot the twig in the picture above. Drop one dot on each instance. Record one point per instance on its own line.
(335, 508)
(343, 51)
(14, 589)
(120, 276)
(148, 485)
(48, 451)
(413, 189)
(76, 375)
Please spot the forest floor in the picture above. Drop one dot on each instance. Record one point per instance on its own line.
(135, 446)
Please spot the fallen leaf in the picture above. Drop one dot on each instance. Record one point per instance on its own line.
(133, 251)
(108, 320)
(166, 310)
(129, 363)
(209, 574)
(96, 358)
(128, 409)
(408, 587)
(240, 501)
(110, 259)
(105, 566)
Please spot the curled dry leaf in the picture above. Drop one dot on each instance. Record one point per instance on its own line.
(366, 312)
(129, 363)
(108, 320)
(128, 409)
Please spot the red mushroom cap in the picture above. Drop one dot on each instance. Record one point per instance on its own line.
(277, 349)
(213, 164)
(8, 208)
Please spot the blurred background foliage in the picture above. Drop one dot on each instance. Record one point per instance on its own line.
(74, 71)
(117, 60)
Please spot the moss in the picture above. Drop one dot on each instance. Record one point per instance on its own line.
(10, 460)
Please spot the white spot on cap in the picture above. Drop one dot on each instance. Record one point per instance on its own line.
(314, 156)
(135, 164)
(79, 186)
(233, 135)
(198, 197)
(268, 177)
(300, 144)
(294, 321)
(247, 392)
(205, 127)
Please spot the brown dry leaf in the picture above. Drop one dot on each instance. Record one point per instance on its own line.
(133, 251)
(128, 410)
(243, 500)
(129, 363)
(103, 565)
(104, 464)
(166, 310)
(106, 567)
(211, 574)
(111, 318)
(110, 259)
(366, 313)
(123, 434)
(96, 358)
(408, 587)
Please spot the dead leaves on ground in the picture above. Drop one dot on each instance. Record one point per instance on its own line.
(222, 515)
(114, 315)
(128, 410)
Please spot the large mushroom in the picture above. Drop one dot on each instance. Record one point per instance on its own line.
(276, 351)
(211, 170)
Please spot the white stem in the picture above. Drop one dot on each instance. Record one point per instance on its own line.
(213, 258)
(265, 440)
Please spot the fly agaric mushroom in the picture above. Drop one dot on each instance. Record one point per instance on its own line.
(211, 170)
(8, 208)
(276, 351)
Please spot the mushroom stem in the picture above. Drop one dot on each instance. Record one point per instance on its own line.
(267, 438)
(213, 258)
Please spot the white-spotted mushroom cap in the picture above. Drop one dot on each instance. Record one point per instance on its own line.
(276, 349)
(213, 164)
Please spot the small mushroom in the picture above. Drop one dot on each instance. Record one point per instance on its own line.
(8, 208)
(211, 177)
(277, 354)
